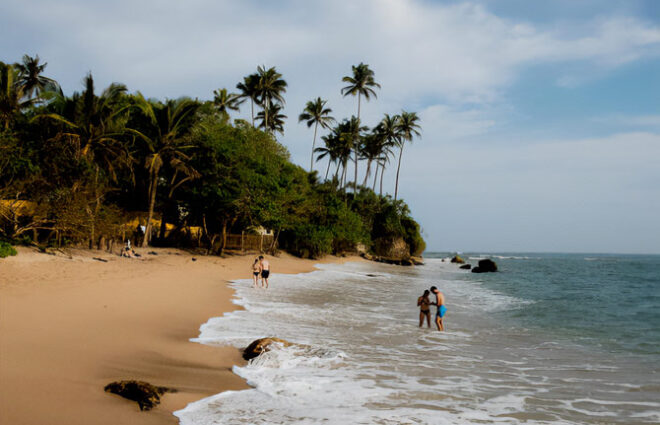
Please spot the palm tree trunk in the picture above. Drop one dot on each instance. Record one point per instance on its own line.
(356, 144)
(311, 163)
(366, 176)
(382, 173)
(396, 188)
(337, 170)
(343, 175)
(376, 175)
(252, 105)
(152, 203)
(327, 170)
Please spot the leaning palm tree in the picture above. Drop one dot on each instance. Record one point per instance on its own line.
(248, 90)
(169, 122)
(30, 78)
(270, 88)
(315, 113)
(362, 83)
(225, 102)
(272, 119)
(407, 127)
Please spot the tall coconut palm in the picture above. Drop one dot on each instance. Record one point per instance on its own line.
(329, 149)
(374, 148)
(168, 124)
(407, 127)
(225, 102)
(270, 88)
(348, 134)
(30, 78)
(361, 83)
(315, 113)
(387, 129)
(272, 119)
(248, 90)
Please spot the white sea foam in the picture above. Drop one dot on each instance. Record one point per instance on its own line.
(362, 360)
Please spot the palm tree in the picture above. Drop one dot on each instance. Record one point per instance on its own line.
(30, 78)
(315, 113)
(330, 149)
(96, 126)
(225, 102)
(373, 148)
(270, 88)
(407, 127)
(362, 83)
(168, 124)
(387, 129)
(272, 119)
(12, 96)
(248, 90)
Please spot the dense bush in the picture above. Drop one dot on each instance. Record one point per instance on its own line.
(6, 250)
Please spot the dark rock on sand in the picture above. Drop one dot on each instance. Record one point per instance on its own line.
(146, 395)
(457, 260)
(466, 266)
(262, 345)
(485, 266)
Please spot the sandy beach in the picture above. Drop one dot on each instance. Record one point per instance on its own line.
(70, 324)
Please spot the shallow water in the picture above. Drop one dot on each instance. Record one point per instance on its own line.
(505, 357)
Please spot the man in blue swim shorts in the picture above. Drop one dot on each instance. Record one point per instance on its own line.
(442, 310)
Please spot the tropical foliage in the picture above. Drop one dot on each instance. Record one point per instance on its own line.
(78, 169)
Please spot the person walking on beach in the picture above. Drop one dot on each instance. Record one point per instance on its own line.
(265, 270)
(256, 271)
(442, 310)
(424, 311)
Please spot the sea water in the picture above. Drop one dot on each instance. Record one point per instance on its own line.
(549, 339)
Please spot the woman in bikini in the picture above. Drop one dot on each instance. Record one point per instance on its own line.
(424, 311)
(256, 271)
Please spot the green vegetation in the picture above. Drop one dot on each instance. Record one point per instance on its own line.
(6, 250)
(86, 168)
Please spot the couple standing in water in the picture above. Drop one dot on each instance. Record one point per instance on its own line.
(260, 268)
(425, 308)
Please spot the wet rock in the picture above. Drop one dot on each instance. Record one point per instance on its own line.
(485, 266)
(262, 345)
(457, 259)
(146, 395)
(418, 261)
(466, 266)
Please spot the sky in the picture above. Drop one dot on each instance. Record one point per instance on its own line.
(540, 120)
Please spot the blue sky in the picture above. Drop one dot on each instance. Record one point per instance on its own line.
(541, 120)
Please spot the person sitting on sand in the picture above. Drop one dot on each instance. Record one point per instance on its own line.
(256, 271)
(265, 270)
(442, 310)
(424, 311)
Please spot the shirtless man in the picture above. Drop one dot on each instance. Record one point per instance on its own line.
(265, 270)
(442, 310)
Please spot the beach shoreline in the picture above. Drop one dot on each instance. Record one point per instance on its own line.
(71, 323)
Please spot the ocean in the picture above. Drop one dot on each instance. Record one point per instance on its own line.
(549, 339)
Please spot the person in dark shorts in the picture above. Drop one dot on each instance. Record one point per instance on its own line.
(265, 270)
(424, 311)
(256, 271)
